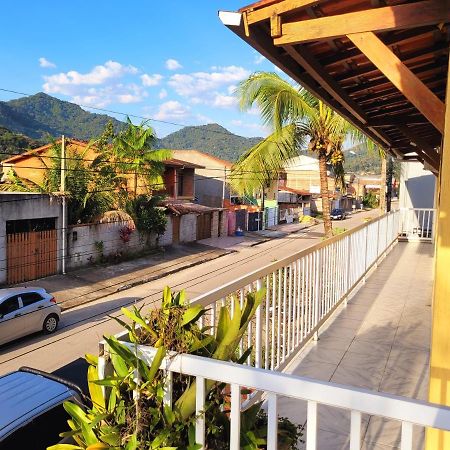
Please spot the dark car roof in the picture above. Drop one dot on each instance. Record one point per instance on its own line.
(24, 396)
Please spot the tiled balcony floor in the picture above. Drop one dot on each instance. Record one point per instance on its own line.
(379, 341)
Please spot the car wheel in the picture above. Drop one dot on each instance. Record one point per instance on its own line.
(50, 324)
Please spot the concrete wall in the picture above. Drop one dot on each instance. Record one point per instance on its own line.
(83, 250)
(167, 237)
(88, 243)
(22, 206)
(188, 227)
(215, 224)
(417, 186)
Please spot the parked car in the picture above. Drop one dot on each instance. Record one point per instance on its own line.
(25, 310)
(338, 214)
(32, 413)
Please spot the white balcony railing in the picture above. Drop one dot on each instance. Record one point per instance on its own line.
(417, 224)
(356, 400)
(303, 290)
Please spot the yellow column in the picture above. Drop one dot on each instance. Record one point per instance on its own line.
(439, 389)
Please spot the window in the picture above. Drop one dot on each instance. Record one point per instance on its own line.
(9, 305)
(30, 297)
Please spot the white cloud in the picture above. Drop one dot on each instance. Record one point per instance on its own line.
(173, 64)
(151, 80)
(259, 59)
(224, 101)
(172, 110)
(188, 85)
(44, 62)
(99, 87)
(254, 127)
(162, 93)
(98, 75)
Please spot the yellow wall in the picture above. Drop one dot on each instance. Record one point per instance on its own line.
(439, 388)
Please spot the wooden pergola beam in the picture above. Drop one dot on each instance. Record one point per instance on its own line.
(423, 148)
(401, 77)
(310, 64)
(409, 15)
(267, 12)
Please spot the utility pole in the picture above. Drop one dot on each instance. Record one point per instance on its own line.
(64, 205)
(223, 186)
(390, 171)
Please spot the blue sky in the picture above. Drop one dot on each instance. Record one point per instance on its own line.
(170, 60)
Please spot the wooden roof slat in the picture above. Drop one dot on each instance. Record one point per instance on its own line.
(427, 12)
(394, 69)
(307, 61)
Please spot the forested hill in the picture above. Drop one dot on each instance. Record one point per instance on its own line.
(13, 143)
(212, 139)
(40, 115)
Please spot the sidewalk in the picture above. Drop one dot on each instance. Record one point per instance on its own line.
(91, 283)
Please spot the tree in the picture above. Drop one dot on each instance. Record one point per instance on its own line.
(133, 151)
(296, 118)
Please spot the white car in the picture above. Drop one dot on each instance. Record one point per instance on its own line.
(26, 310)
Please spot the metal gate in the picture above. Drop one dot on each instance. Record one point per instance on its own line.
(203, 226)
(31, 255)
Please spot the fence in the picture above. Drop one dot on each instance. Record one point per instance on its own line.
(303, 290)
(417, 224)
(359, 401)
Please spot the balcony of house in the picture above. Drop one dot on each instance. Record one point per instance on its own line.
(340, 343)
(179, 180)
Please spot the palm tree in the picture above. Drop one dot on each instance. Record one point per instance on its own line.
(132, 150)
(297, 118)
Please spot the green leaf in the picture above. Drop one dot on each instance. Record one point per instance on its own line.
(137, 318)
(76, 412)
(64, 447)
(95, 390)
(192, 314)
(120, 366)
(156, 363)
(91, 359)
(169, 414)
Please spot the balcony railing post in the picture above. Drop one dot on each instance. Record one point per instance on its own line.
(258, 331)
(318, 288)
(235, 419)
(348, 274)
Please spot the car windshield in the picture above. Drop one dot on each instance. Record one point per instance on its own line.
(336, 211)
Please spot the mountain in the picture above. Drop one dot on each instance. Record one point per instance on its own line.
(14, 143)
(39, 115)
(211, 138)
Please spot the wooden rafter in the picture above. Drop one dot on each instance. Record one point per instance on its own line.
(261, 14)
(308, 62)
(409, 15)
(401, 77)
(424, 149)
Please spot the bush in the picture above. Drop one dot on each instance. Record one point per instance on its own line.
(147, 216)
(128, 409)
(370, 200)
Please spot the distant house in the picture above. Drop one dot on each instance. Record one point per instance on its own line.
(211, 186)
(178, 176)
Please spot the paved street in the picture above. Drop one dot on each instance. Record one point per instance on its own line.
(82, 327)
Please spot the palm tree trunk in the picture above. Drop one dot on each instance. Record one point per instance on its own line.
(325, 195)
(383, 184)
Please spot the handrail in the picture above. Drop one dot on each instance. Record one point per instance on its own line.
(327, 393)
(229, 287)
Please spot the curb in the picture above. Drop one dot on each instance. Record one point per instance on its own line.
(124, 287)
